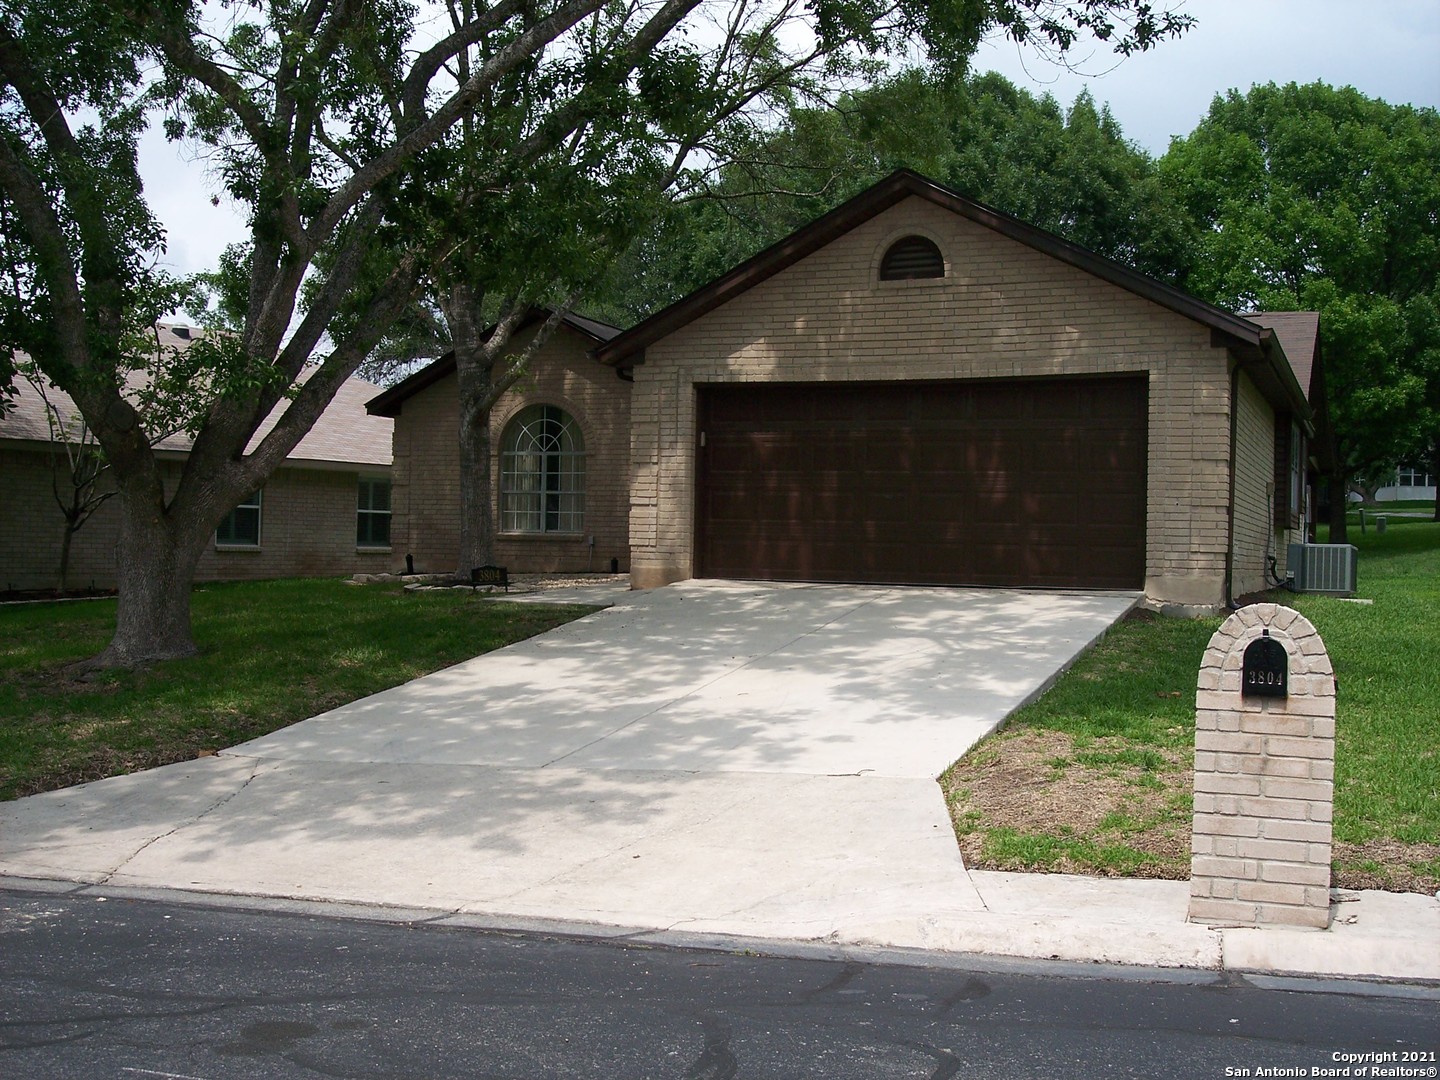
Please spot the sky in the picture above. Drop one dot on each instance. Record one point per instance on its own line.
(1386, 49)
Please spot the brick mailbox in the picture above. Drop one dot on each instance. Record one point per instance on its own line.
(1264, 773)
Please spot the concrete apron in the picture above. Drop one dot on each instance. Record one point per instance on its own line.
(755, 760)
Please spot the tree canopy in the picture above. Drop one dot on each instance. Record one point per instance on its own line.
(1318, 198)
(1070, 171)
(326, 119)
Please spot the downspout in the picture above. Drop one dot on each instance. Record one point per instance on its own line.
(1230, 509)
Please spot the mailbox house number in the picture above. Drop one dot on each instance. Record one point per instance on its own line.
(1266, 669)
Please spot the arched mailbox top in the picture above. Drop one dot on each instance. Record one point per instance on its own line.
(1265, 670)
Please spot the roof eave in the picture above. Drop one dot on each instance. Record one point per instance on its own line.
(875, 200)
(391, 401)
(1274, 376)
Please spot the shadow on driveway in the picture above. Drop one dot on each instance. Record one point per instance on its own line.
(731, 757)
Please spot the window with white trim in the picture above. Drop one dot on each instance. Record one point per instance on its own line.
(542, 473)
(372, 513)
(241, 526)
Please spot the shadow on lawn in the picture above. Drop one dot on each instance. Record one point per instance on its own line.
(589, 735)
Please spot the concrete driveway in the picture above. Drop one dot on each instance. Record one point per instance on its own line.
(731, 758)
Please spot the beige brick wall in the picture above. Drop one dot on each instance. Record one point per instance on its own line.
(426, 480)
(1003, 310)
(1264, 779)
(1255, 535)
(307, 528)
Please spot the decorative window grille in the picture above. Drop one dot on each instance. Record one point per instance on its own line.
(542, 473)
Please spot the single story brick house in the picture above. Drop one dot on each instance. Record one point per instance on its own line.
(324, 512)
(914, 388)
(560, 441)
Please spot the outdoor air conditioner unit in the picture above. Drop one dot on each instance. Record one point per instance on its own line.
(1323, 568)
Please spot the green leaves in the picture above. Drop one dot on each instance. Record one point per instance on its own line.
(1319, 198)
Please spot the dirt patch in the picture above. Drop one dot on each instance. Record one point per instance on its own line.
(1387, 864)
(1099, 799)
(1041, 800)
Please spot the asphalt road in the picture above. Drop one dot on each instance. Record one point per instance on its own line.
(135, 989)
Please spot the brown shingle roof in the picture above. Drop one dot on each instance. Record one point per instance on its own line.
(345, 434)
(390, 402)
(1299, 334)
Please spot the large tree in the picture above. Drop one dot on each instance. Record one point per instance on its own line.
(1318, 198)
(1069, 170)
(319, 116)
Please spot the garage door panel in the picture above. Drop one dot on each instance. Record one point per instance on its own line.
(1111, 452)
(1022, 482)
(1120, 508)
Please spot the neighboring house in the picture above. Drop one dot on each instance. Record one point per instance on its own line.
(325, 511)
(916, 388)
(1411, 482)
(560, 449)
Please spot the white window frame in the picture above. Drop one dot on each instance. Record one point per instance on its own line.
(542, 473)
(365, 485)
(254, 502)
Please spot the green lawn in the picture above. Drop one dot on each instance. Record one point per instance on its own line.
(272, 653)
(1096, 776)
(1387, 669)
(1395, 514)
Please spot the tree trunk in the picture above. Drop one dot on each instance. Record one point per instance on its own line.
(63, 578)
(1435, 473)
(460, 304)
(477, 519)
(155, 569)
(1339, 489)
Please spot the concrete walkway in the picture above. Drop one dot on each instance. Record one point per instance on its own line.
(711, 759)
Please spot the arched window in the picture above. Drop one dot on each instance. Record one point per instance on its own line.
(912, 257)
(542, 473)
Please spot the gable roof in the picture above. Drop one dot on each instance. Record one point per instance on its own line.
(344, 434)
(392, 400)
(1254, 342)
(1299, 334)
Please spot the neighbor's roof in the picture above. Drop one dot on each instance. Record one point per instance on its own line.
(345, 434)
(1299, 334)
(1227, 328)
(389, 403)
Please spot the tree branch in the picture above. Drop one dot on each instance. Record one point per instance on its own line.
(433, 128)
(428, 63)
(52, 252)
(317, 392)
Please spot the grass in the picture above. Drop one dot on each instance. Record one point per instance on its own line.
(1096, 776)
(1385, 657)
(1396, 504)
(1389, 510)
(272, 653)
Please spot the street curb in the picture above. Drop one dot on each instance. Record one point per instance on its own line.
(827, 949)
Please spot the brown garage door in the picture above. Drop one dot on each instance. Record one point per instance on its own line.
(1016, 482)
